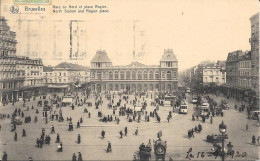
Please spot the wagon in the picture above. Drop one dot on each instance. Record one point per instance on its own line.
(216, 138)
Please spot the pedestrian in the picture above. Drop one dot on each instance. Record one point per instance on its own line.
(103, 134)
(15, 136)
(58, 138)
(80, 157)
(253, 139)
(192, 132)
(246, 127)
(136, 131)
(125, 130)
(121, 134)
(89, 115)
(79, 139)
(52, 129)
(74, 157)
(4, 158)
(24, 133)
(211, 120)
(38, 143)
(109, 148)
(78, 125)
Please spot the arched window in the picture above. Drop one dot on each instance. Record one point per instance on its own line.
(157, 75)
(116, 75)
(116, 87)
(99, 75)
(150, 75)
(133, 75)
(145, 75)
(122, 75)
(169, 75)
(139, 75)
(110, 75)
(163, 75)
(93, 75)
(127, 75)
(111, 87)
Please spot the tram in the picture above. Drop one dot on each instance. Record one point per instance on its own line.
(184, 108)
(168, 100)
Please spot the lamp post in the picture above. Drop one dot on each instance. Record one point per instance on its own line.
(222, 129)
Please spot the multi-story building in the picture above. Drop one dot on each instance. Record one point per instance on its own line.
(8, 79)
(211, 73)
(64, 75)
(135, 76)
(254, 41)
(20, 76)
(238, 66)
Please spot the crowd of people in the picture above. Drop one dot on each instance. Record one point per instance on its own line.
(120, 110)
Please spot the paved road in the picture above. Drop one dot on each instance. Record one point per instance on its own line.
(93, 147)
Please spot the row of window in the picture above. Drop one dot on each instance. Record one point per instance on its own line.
(206, 79)
(244, 73)
(50, 74)
(244, 83)
(133, 75)
(55, 80)
(244, 64)
(12, 85)
(211, 72)
(133, 87)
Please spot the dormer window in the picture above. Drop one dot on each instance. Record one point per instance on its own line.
(98, 65)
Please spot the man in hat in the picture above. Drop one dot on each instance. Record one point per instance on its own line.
(79, 139)
(109, 148)
(74, 157)
(80, 157)
(125, 130)
(4, 158)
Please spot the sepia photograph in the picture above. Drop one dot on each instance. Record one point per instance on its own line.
(129, 80)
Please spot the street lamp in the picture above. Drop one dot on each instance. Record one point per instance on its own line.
(222, 129)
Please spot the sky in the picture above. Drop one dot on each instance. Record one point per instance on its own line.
(196, 30)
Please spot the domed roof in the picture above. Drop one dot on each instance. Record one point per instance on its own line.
(101, 56)
(168, 55)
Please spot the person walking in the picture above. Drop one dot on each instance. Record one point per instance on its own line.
(246, 127)
(4, 158)
(125, 130)
(24, 133)
(79, 139)
(80, 157)
(253, 139)
(15, 136)
(109, 148)
(211, 120)
(74, 157)
(103, 134)
(52, 129)
(121, 134)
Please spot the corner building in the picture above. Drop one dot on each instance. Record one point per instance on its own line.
(135, 77)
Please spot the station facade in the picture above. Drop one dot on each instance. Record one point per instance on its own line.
(135, 77)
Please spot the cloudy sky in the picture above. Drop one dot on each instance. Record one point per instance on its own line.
(195, 30)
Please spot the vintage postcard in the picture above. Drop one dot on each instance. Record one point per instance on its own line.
(129, 80)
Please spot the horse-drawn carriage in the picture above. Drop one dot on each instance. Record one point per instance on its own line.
(159, 146)
(224, 105)
(216, 138)
(144, 152)
(16, 121)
